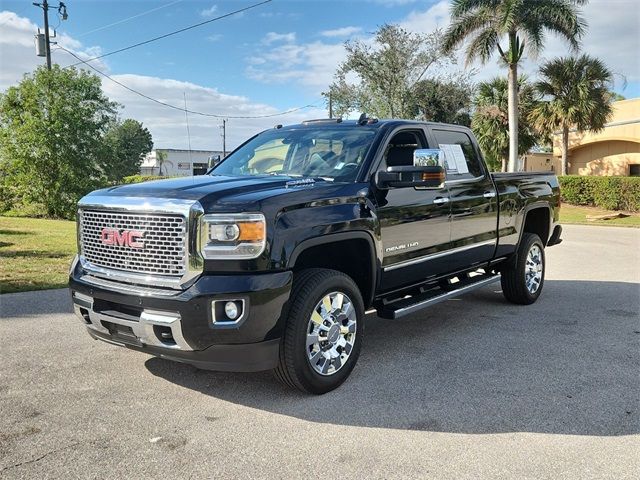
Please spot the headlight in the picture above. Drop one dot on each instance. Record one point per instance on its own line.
(234, 236)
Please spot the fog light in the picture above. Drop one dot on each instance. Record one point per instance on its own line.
(231, 310)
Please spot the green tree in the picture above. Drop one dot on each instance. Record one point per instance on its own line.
(491, 119)
(443, 101)
(161, 158)
(523, 24)
(576, 90)
(51, 137)
(380, 78)
(126, 143)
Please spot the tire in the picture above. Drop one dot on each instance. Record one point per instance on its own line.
(323, 365)
(522, 282)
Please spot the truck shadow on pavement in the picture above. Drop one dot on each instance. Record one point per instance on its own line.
(566, 365)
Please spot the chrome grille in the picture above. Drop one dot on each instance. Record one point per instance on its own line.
(164, 251)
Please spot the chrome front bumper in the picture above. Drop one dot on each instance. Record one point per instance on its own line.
(153, 327)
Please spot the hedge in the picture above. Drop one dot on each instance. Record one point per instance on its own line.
(141, 178)
(610, 193)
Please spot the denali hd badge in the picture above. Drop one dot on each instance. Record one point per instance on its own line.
(124, 238)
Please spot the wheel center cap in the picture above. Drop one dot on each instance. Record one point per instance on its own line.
(334, 333)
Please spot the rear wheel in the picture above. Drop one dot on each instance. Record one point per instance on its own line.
(323, 333)
(523, 281)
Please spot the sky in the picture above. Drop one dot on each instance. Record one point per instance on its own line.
(273, 58)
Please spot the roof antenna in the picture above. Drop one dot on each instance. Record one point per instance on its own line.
(363, 119)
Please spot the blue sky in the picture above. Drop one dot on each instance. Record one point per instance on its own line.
(275, 57)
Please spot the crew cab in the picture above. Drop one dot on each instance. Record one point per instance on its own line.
(271, 259)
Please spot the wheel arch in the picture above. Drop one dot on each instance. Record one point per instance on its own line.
(352, 253)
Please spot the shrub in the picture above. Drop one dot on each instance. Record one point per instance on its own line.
(610, 193)
(141, 178)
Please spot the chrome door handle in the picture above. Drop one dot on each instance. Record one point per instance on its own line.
(440, 200)
(489, 194)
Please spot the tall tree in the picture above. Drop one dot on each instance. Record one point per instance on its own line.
(443, 101)
(126, 143)
(380, 77)
(576, 90)
(51, 138)
(491, 119)
(521, 24)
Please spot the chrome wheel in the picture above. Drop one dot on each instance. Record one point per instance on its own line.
(331, 333)
(533, 269)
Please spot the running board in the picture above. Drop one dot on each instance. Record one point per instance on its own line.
(406, 306)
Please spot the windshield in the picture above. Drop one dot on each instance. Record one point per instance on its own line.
(335, 154)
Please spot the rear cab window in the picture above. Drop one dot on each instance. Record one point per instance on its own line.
(461, 157)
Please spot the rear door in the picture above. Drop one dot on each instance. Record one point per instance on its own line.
(472, 195)
(414, 223)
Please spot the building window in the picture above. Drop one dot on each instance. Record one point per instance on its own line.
(634, 170)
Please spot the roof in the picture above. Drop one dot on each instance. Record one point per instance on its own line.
(375, 124)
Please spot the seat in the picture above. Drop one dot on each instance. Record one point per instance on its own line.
(401, 150)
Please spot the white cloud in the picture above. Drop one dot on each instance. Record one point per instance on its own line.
(273, 37)
(341, 32)
(214, 38)
(209, 12)
(18, 52)
(310, 64)
(168, 127)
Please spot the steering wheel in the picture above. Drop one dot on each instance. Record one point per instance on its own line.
(316, 163)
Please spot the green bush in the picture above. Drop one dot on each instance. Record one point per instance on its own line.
(610, 193)
(141, 178)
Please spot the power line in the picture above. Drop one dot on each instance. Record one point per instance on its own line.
(129, 18)
(235, 12)
(160, 102)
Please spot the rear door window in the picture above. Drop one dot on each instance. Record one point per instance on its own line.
(461, 156)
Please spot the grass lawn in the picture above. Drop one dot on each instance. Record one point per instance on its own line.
(578, 215)
(35, 254)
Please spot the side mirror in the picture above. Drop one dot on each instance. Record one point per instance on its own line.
(427, 172)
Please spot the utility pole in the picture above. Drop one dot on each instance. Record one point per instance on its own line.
(62, 10)
(224, 137)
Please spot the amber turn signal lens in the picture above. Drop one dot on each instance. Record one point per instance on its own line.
(251, 231)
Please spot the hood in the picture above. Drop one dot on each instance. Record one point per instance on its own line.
(225, 193)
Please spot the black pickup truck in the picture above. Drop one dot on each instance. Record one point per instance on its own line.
(271, 259)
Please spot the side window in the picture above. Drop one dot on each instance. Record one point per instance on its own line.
(399, 151)
(460, 155)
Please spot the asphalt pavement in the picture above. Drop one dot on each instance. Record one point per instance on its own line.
(472, 388)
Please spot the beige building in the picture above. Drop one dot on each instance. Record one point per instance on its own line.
(612, 151)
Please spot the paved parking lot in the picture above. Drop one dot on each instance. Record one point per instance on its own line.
(473, 388)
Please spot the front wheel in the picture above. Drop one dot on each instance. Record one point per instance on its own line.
(323, 333)
(522, 282)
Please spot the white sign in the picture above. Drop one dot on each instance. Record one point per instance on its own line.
(454, 159)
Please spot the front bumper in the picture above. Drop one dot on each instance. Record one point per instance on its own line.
(179, 325)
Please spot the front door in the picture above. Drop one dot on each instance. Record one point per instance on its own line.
(414, 223)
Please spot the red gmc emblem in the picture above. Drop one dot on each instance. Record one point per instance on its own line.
(123, 238)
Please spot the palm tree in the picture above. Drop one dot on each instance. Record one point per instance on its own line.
(578, 96)
(161, 158)
(522, 23)
(490, 119)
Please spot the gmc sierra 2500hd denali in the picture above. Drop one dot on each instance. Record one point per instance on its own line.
(271, 259)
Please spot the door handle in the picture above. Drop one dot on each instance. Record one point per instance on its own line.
(489, 194)
(440, 200)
